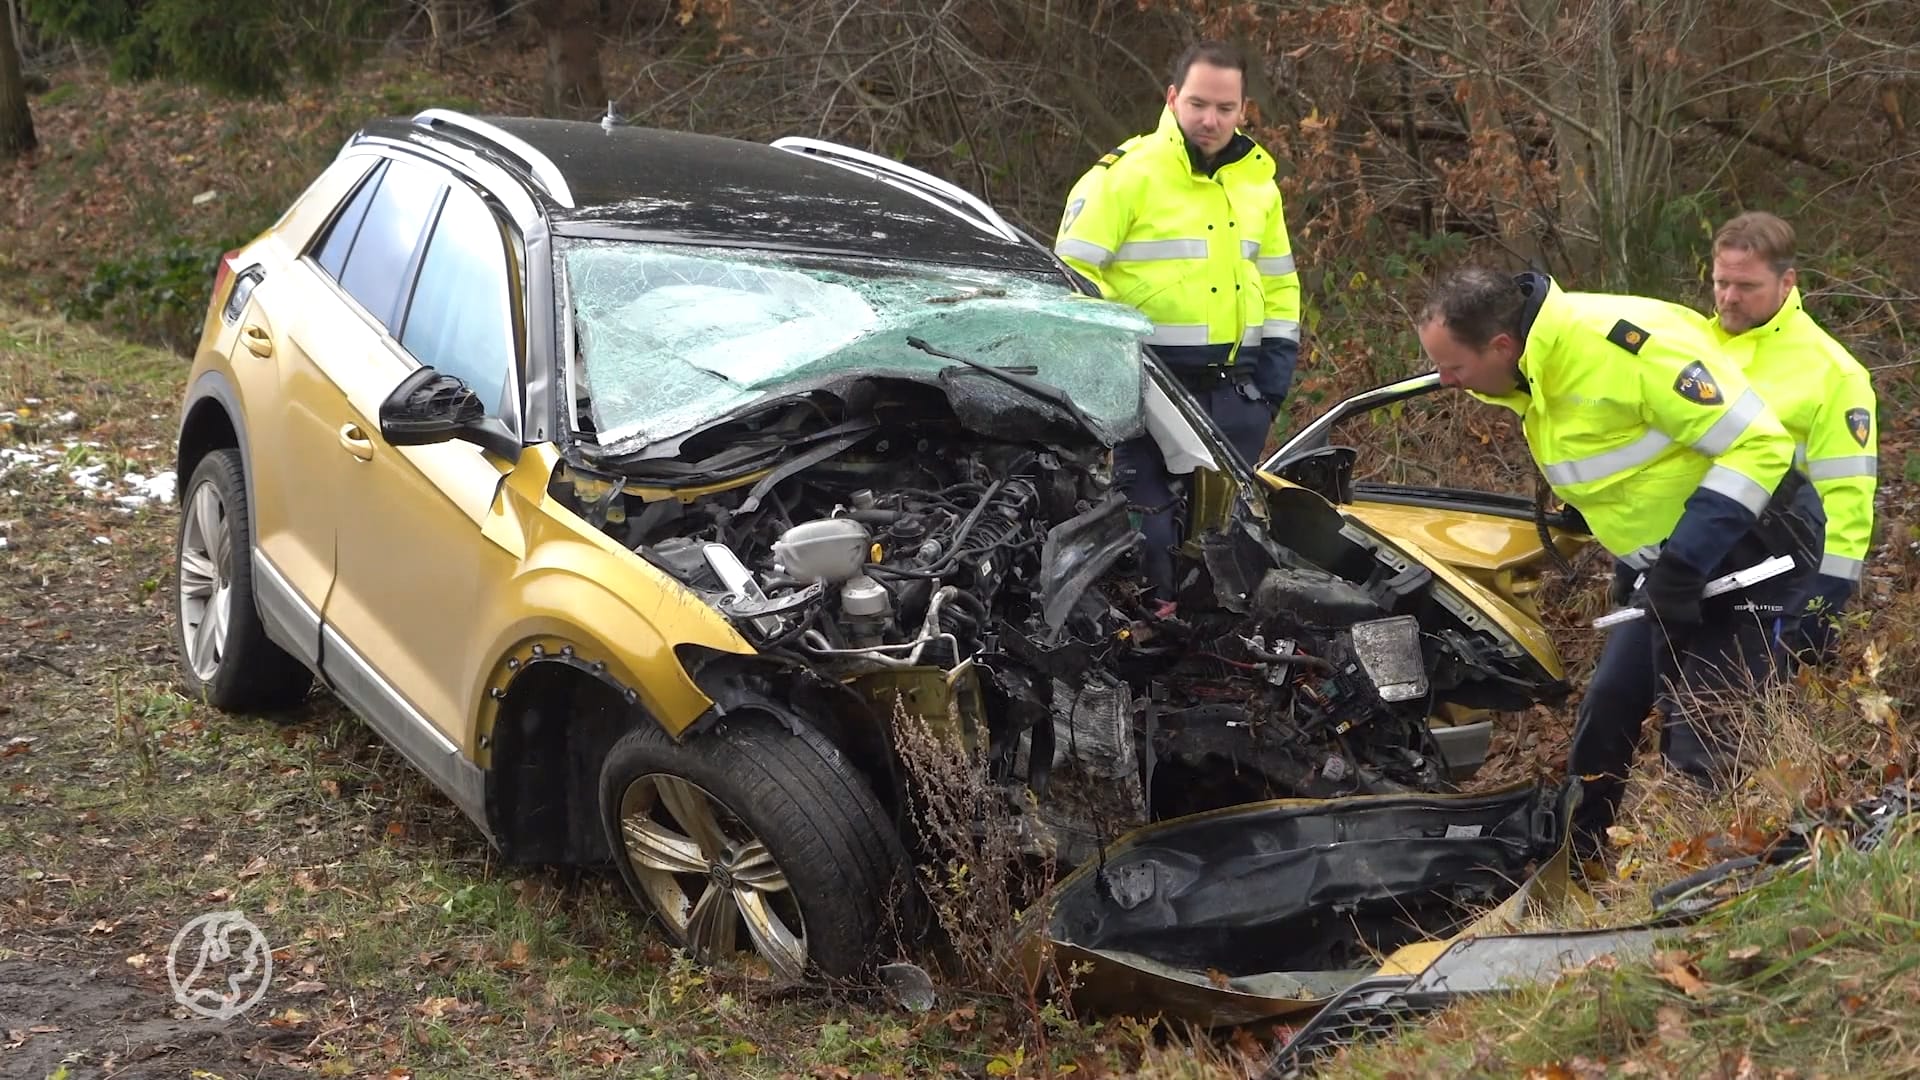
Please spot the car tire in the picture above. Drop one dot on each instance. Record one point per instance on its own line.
(235, 666)
(832, 861)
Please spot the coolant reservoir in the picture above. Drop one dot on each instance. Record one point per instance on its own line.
(832, 550)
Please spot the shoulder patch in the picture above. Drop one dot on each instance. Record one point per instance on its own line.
(1628, 336)
(1860, 425)
(1110, 157)
(1696, 385)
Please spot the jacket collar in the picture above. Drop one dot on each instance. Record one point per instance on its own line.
(1536, 338)
(1789, 311)
(1169, 131)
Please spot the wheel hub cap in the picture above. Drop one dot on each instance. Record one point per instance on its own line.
(708, 876)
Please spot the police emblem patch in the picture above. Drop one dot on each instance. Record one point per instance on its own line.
(1860, 424)
(1628, 336)
(1696, 385)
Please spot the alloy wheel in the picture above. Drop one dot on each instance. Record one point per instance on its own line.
(206, 581)
(708, 876)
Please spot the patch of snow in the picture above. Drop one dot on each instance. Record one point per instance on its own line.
(102, 540)
(66, 418)
(30, 401)
(160, 487)
(87, 478)
(3, 543)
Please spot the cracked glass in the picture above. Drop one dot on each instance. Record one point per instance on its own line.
(671, 337)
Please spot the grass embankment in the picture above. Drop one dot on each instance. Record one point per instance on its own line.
(1816, 974)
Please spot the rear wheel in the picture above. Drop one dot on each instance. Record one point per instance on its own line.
(752, 839)
(225, 655)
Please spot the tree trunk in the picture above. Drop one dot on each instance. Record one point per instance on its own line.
(16, 121)
(573, 54)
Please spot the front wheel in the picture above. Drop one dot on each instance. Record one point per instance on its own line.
(750, 838)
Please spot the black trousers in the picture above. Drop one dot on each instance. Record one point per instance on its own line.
(1737, 648)
(1243, 415)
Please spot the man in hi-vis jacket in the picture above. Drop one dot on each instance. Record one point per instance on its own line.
(1185, 224)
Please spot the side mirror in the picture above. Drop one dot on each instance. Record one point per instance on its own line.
(429, 407)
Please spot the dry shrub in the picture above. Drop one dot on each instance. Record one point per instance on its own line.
(975, 868)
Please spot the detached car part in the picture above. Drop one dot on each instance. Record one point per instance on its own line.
(1273, 909)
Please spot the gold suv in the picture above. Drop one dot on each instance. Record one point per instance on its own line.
(634, 485)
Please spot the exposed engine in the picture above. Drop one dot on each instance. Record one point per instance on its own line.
(922, 546)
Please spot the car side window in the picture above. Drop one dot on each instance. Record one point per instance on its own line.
(331, 253)
(460, 321)
(377, 267)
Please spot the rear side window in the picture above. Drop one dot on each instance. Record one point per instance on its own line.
(332, 252)
(383, 249)
(460, 322)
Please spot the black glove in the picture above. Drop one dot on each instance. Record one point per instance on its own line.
(1620, 589)
(1672, 595)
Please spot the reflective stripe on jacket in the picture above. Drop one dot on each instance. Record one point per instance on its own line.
(1207, 258)
(1825, 399)
(1630, 408)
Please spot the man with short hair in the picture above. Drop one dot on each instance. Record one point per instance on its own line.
(1821, 394)
(1681, 472)
(1185, 223)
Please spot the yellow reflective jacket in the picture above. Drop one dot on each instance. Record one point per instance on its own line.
(1630, 408)
(1206, 257)
(1825, 398)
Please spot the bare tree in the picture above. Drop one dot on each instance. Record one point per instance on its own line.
(573, 79)
(16, 119)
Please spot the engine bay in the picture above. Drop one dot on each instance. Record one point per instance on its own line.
(887, 528)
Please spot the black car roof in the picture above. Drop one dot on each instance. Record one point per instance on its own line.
(704, 188)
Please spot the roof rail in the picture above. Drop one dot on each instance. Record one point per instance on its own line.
(955, 200)
(544, 171)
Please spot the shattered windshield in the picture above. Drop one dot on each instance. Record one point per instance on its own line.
(671, 336)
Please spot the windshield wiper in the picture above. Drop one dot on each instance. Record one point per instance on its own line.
(1046, 392)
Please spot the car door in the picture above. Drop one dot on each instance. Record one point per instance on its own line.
(1474, 512)
(284, 368)
(413, 569)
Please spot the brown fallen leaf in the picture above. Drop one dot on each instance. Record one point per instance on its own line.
(307, 986)
(254, 868)
(138, 961)
(1670, 1021)
(397, 830)
(1676, 967)
(516, 955)
(330, 788)
(1743, 954)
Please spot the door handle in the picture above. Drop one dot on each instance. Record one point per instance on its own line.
(256, 339)
(356, 442)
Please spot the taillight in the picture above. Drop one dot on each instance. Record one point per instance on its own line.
(223, 276)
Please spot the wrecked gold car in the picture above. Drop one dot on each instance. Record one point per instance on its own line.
(629, 481)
